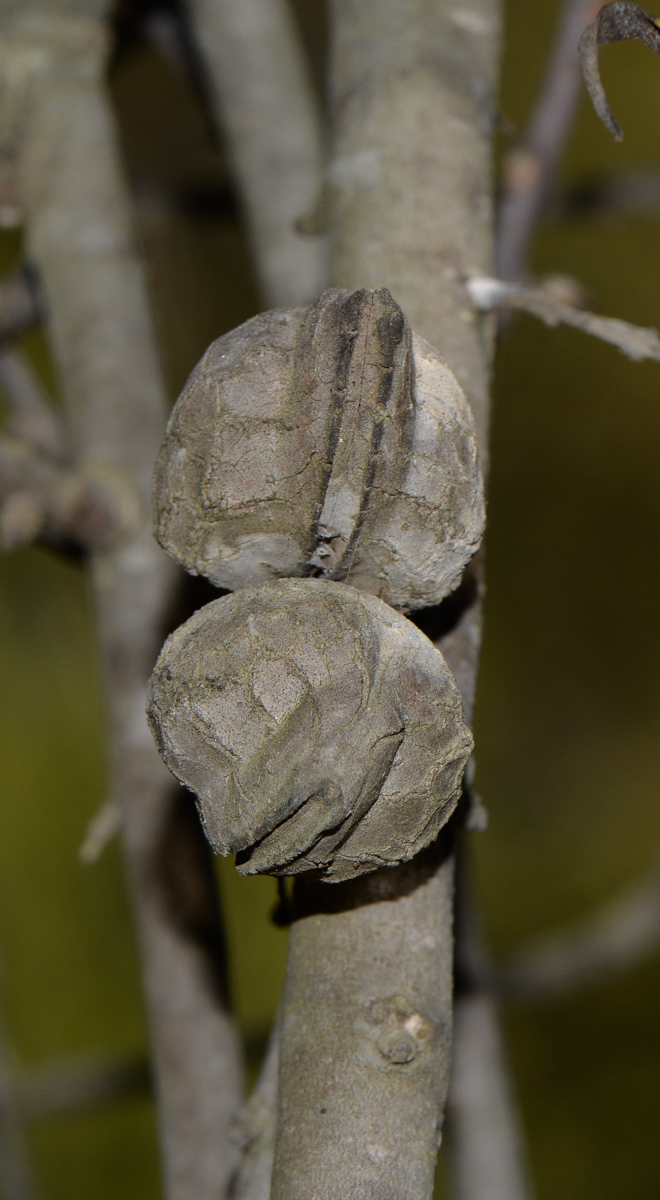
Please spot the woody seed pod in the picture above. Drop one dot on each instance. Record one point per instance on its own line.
(318, 728)
(328, 440)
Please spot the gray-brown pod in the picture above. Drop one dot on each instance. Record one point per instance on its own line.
(328, 440)
(319, 729)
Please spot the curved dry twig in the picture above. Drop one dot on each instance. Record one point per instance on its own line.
(615, 22)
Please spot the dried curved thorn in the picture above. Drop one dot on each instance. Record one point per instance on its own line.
(614, 23)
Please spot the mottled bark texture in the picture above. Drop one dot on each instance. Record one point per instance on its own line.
(410, 210)
(267, 110)
(319, 729)
(330, 440)
(59, 156)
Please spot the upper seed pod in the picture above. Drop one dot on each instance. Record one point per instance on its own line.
(318, 728)
(323, 440)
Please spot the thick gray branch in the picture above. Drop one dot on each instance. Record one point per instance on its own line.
(60, 143)
(366, 1022)
(265, 104)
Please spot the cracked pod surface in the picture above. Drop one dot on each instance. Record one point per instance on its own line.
(328, 440)
(318, 728)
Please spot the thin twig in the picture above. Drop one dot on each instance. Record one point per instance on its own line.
(486, 1146)
(21, 304)
(622, 932)
(38, 498)
(102, 828)
(265, 105)
(32, 418)
(530, 168)
(16, 1181)
(68, 1084)
(632, 340)
(256, 1128)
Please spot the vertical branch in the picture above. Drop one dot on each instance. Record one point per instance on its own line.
(15, 1178)
(266, 107)
(487, 1153)
(410, 183)
(60, 141)
(531, 168)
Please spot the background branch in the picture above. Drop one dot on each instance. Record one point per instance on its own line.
(79, 235)
(530, 168)
(31, 416)
(265, 106)
(486, 1149)
(16, 1181)
(622, 932)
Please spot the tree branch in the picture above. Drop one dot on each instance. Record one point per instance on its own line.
(530, 168)
(633, 340)
(370, 962)
(68, 1084)
(16, 1182)
(486, 1150)
(21, 304)
(622, 932)
(264, 102)
(40, 499)
(256, 1128)
(60, 144)
(32, 418)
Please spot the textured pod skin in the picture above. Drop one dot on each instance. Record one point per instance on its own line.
(318, 728)
(323, 440)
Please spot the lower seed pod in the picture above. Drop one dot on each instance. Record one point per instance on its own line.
(327, 440)
(319, 729)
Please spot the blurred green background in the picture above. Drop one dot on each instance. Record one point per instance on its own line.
(568, 716)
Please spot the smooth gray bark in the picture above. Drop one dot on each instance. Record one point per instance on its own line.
(266, 107)
(60, 154)
(410, 208)
(487, 1155)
